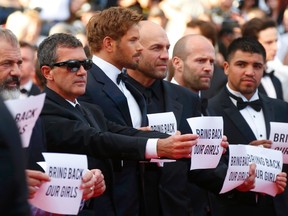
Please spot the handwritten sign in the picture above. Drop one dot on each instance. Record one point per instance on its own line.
(208, 151)
(62, 195)
(268, 162)
(163, 122)
(26, 112)
(279, 138)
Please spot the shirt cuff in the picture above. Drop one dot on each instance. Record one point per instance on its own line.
(151, 149)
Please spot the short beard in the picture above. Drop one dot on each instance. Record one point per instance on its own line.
(9, 94)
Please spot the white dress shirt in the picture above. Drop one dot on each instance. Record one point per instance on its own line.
(254, 119)
(135, 113)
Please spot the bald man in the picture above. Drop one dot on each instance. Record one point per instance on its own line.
(193, 61)
(166, 187)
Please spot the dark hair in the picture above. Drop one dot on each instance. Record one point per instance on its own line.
(208, 29)
(113, 22)
(245, 44)
(47, 51)
(252, 27)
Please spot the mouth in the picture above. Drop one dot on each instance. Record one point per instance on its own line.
(12, 84)
(80, 82)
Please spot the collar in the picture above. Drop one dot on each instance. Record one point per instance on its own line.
(154, 88)
(174, 81)
(110, 70)
(27, 86)
(238, 94)
(73, 103)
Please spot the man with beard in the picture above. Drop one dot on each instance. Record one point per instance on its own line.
(247, 114)
(166, 188)
(10, 63)
(113, 38)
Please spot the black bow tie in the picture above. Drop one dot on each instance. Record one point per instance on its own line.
(122, 76)
(23, 91)
(271, 74)
(256, 104)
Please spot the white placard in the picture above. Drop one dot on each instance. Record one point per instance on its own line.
(62, 195)
(268, 162)
(279, 138)
(26, 112)
(163, 122)
(208, 150)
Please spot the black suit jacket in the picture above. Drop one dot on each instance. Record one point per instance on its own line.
(35, 90)
(102, 91)
(13, 186)
(238, 131)
(67, 131)
(170, 184)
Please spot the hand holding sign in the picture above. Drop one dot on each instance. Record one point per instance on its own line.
(34, 180)
(249, 182)
(62, 194)
(281, 182)
(263, 143)
(269, 179)
(93, 184)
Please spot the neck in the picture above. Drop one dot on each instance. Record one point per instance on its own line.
(141, 78)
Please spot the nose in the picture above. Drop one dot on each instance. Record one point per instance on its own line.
(164, 54)
(208, 67)
(15, 70)
(139, 47)
(250, 71)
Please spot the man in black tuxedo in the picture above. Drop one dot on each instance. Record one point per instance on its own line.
(165, 188)
(82, 128)
(193, 62)
(244, 125)
(113, 39)
(28, 70)
(265, 31)
(10, 61)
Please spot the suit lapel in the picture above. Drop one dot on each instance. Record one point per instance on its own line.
(268, 111)
(113, 92)
(65, 104)
(171, 102)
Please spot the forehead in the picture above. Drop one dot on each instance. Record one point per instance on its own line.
(132, 31)
(268, 34)
(7, 51)
(248, 57)
(160, 39)
(200, 48)
(65, 53)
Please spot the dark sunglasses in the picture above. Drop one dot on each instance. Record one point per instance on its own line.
(74, 65)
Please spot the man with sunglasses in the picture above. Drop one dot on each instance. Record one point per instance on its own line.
(72, 127)
(10, 65)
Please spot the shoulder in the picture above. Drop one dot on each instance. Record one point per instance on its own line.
(179, 90)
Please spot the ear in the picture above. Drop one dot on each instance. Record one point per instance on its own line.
(226, 68)
(177, 64)
(108, 43)
(47, 72)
